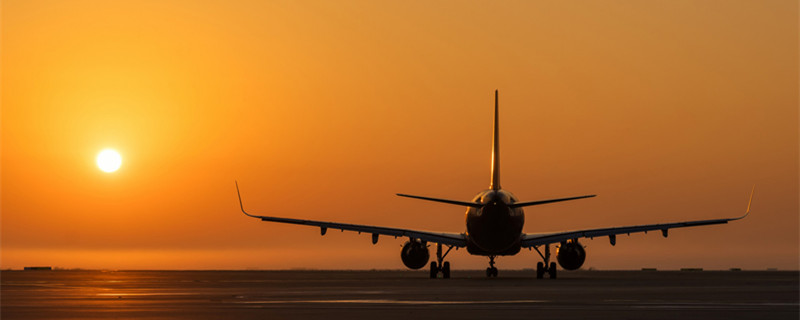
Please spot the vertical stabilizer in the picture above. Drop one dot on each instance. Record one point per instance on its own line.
(495, 184)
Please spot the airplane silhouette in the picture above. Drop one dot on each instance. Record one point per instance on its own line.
(494, 228)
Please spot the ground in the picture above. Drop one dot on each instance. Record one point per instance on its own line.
(398, 295)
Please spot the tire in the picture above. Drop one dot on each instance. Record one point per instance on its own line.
(488, 272)
(434, 270)
(539, 270)
(552, 271)
(446, 270)
(494, 272)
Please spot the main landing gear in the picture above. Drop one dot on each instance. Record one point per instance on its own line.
(442, 266)
(542, 267)
(491, 271)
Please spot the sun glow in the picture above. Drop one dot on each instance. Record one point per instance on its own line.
(109, 160)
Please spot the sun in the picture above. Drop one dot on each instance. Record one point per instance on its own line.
(109, 160)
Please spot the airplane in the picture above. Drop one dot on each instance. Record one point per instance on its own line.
(494, 221)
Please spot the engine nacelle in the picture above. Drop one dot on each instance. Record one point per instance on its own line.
(415, 254)
(571, 255)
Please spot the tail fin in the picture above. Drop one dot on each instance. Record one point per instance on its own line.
(495, 184)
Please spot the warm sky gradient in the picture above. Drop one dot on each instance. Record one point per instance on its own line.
(668, 110)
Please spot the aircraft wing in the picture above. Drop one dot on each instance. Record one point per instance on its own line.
(533, 240)
(450, 239)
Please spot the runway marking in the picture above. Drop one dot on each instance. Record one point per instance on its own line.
(312, 292)
(147, 294)
(389, 301)
(620, 300)
(716, 305)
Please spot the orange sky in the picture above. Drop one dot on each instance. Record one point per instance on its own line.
(667, 110)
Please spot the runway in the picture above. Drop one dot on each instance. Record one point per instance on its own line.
(398, 295)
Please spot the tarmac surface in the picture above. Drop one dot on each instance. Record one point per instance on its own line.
(398, 295)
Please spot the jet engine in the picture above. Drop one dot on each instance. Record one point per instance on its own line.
(415, 254)
(571, 255)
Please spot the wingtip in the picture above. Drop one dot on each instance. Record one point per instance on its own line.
(749, 203)
(239, 194)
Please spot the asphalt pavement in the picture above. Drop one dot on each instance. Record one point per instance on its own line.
(398, 295)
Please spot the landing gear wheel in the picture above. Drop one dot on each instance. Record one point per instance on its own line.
(552, 270)
(539, 270)
(491, 271)
(443, 266)
(434, 270)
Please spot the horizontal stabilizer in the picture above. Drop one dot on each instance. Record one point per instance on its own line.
(534, 203)
(455, 202)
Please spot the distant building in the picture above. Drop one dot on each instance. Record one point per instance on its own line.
(38, 268)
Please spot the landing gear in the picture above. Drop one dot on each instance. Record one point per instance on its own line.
(539, 270)
(442, 266)
(491, 271)
(542, 268)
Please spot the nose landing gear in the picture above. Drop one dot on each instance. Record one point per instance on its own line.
(491, 271)
(542, 267)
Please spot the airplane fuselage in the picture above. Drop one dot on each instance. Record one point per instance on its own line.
(494, 228)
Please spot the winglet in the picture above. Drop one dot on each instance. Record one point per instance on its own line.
(240, 200)
(750, 202)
